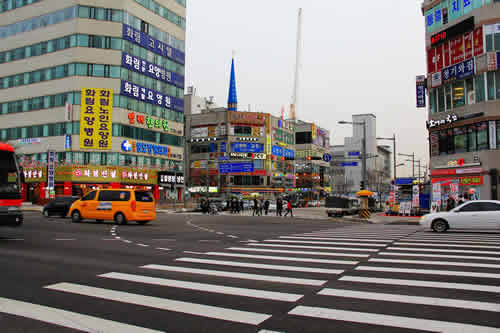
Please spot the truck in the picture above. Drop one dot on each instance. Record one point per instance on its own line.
(10, 188)
(338, 206)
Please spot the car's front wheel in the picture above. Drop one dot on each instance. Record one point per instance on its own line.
(45, 213)
(76, 217)
(440, 226)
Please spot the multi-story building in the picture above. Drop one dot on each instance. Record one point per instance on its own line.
(99, 84)
(312, 172)
(238, 152)
(462, 39)
(346, 161)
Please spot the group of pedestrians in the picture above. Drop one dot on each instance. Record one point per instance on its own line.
(235, 206)
(259, 206)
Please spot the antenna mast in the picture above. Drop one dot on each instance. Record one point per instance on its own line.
(297, 66)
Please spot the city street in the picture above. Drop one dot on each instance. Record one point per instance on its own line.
(192, 273)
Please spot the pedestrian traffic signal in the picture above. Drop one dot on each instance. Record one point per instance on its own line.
(362, 185)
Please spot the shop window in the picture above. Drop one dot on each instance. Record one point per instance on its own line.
(440, 99)
(490, 78)
(471, 138)
(498, 134)
(479, 90)
(458, 94)
(471, 94)
(489, 43)
(460, 139)
(482, 136)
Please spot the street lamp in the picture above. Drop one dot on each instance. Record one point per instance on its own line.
(393, 139)
(412, 160)
(342, 122)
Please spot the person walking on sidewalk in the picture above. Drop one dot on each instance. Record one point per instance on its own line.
(289, 208)
(255, 208)
(266, 206)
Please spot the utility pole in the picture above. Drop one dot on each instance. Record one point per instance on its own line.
(412, 160)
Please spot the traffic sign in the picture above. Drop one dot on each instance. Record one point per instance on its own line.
(327, 157)
(348, 164)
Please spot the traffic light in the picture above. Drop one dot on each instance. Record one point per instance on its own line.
(362, 185)
(308, 158)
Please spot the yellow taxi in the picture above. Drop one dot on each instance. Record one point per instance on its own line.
(120, 205)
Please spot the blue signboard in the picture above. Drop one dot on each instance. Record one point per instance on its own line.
(327, 157)
(246, 147)
(67, 142)
(236, 167)
(353, 153)
(465, 69)
(404, 181)
(349, 164)
(147, 68)
(151, 96)
(289, 153)
(223, 146)
(420, 95)
(141, 38)
(277, 151)
(449, 73)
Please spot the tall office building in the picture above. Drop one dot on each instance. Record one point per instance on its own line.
(91, 93)
(463, 81)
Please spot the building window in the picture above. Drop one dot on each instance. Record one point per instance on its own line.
(471, 95)
(447, 89)
(432, 101)
(458, 94)
(460, 138)
(482, 136)
(471, 138)
(441, 100)
(491, 85)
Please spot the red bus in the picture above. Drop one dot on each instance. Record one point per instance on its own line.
(10, 188)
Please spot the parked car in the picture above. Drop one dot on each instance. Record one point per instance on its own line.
(59, 206)
(471, 215)
(120, 205)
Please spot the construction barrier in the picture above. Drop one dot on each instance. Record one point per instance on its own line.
(365, 213)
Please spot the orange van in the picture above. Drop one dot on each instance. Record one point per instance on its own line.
(120, 205)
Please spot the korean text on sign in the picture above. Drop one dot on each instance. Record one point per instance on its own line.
(96, 119)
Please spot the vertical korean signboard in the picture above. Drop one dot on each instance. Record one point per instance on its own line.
(51, 173)
(96, 119)
(421, 91)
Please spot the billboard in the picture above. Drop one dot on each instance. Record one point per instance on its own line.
(96, 118)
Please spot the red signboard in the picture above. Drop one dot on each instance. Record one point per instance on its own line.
(457, 50)
(468, 45)
(431, 68)
(444, 172)
(260, 172)
(446, 54)
(478, 41)
(463, 181)
(439, 58)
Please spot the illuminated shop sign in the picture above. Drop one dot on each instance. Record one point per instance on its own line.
(451, 118)
(277, 151)
(147, 68)
(96, 118)
(456, 30)
(236, 167)
(34, 175)
(244, 147)
(151, 96)
(421, 91)
(166, 178)
(462, 181)
(247, 118)
(148, 121)
(130, 146)
(240, 155)
(140, 38)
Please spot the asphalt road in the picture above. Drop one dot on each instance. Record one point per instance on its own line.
(191, 273)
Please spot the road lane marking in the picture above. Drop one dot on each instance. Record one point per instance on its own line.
(428, 271)
(209, 241)
(389, 320)
(127, 241)
(262, 266)
(340, 239)
(315, 247)
(64, 239)
(421, 283)
(143, 245)
(193, 252)
(12, 239)
(404, 254)
(232, 236)
(245, 276)
(200, 310)
(212, 288)
(323, 243)
(434, 301)
(108, 239)
(333, 254)
(426, 262)
(65, 318)
(418, 249)
(448, 245)
(321, 261)
(163, 249)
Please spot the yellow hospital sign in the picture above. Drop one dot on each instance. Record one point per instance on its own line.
(96, 119)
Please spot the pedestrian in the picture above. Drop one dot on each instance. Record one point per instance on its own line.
(289, 208)
(450, 203)
(242, 207)
(279, 207)
(255, 209)
(266, 206)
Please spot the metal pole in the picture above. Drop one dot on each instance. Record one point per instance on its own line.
(364, 154)
(394, 155)
(418, 171)
(413, 164)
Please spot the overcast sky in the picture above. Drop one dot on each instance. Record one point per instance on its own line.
(357, 57)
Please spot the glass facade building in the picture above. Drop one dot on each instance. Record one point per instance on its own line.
(50, 51)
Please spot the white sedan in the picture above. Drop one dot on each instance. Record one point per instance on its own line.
(476, 215)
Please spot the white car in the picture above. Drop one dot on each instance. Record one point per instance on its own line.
(472, 215)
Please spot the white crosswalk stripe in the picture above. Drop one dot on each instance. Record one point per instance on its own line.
(382, 241)
(428, 272)
(419, 249)
(449, 245)
(311, 253)
(315, 247)
(163, 304)
(323, 243)
(426, 262)
(320, 261)
(404, 254)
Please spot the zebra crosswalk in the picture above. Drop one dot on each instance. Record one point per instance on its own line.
(356, 278)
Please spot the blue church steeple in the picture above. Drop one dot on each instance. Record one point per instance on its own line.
(232, 100)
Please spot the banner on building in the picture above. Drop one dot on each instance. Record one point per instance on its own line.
(96, 119)
(421, 91)
(415, 196)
